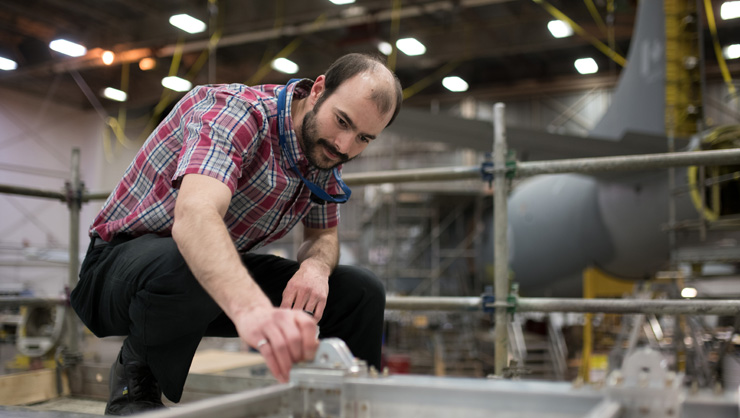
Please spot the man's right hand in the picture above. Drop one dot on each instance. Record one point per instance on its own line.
(283, 337)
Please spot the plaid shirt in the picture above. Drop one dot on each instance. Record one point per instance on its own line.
(228, 132)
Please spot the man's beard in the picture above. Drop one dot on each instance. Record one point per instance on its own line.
(311, 144)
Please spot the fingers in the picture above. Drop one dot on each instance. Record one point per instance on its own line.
(307, 328)
(318, 312)
(291, 338)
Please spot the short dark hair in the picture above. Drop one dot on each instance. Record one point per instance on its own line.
(352, 64)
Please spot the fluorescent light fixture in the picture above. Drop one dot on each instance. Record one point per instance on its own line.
(385, 48)
(115, 94)
(187, 23)
(688, 292)
(731, 52)
(586, 66)
(411, 46)
(559, 28)
(176, 83)
(340, 2)
(7, 65)
(108, 57)
(66, 47)
(730, 10)
(285, 65)
(455, 83)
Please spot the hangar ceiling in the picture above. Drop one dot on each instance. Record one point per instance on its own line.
(500, 47)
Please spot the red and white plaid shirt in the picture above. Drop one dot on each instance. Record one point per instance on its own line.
(228, 132)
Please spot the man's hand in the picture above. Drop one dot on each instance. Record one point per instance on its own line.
(308, 289)
(282, 336)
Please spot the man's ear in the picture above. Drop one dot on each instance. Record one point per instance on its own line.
(317, 90)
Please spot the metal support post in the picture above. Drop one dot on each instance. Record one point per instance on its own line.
(74, 202)
(500, 250)
(71, 356)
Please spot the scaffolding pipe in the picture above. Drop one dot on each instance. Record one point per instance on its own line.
(630, 306)
(520, 169)
(630, 162)
(426, 303)
(18, 301)
(618, 306)
(500, 247)
(531, 168)
(27, 191)
(74, 202)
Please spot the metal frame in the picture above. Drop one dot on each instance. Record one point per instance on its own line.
(502, 169)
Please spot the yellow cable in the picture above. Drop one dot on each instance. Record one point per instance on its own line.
(395, 29)
(426, 81)
(582, 32)
(595, 14)
(717, 48)
(286, 51)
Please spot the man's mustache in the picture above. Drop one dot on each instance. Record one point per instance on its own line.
(344, 157)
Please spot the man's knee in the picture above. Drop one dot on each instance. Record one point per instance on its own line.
(361, 281)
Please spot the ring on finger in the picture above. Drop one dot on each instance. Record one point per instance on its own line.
(261, 342)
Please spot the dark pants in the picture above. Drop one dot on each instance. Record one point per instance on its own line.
(142, 288)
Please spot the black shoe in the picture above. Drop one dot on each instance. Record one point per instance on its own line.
(133, 388)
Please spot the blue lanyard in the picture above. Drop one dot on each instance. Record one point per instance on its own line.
(317, 191)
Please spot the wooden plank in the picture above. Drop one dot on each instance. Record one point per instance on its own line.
(30, 387)
(214, 361)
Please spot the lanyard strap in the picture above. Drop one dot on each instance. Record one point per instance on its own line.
(317, 191)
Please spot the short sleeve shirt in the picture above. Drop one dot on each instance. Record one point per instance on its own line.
(227, 132)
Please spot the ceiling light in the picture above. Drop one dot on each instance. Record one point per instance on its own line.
(730, 10)
(411, 46)
(342, 1)
(7, 65)
(455, 83)
(688, 292)
(187, 23)
(385, 48)
(108, 57)
(285, 65)
(176, 83)
(731, 51)
(147, 64)
(559, 28)
(586, 66)
(66, 47)
(115, 94)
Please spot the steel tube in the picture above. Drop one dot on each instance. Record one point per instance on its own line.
(628, 163)
(27, 191)
(419, 174)
(619, 306)
(75, 205)
(16, 301)
(500, 245)
(630, 306)
(424, 303)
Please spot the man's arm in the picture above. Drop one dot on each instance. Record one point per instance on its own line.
(309, 287)
(204, 242)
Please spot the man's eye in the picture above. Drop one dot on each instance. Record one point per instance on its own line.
(341, 122)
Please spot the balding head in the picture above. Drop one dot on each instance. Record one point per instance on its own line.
(385, 90)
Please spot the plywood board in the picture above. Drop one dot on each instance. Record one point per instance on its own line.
(215, 361)
(30, 387)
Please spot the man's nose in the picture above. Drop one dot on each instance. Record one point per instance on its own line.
(343, 142)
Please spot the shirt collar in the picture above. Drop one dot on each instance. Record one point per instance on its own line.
(300, 90)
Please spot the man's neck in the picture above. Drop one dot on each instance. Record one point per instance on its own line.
(297, 112)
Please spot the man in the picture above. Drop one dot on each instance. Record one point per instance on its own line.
(233, 168)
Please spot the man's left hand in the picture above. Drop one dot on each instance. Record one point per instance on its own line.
(307, 291)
